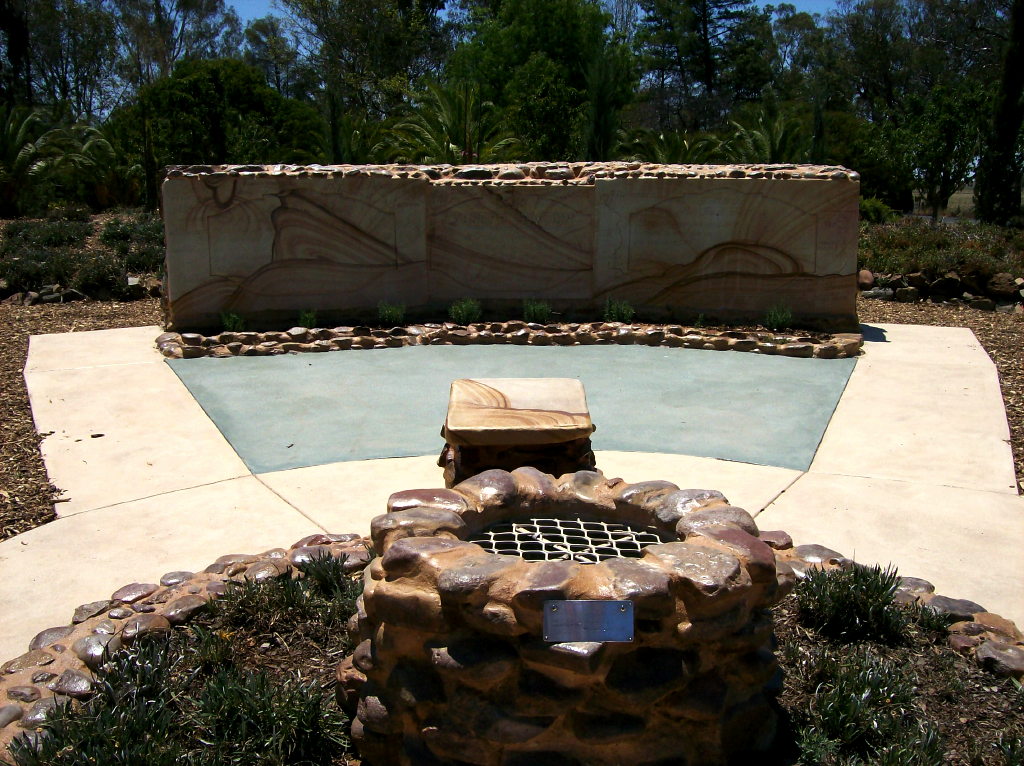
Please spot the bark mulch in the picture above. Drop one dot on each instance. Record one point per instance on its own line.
(27, 497)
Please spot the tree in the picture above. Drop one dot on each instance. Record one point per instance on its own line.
(451, 124)
(683, 44)
(370, 53)
(16, 62)
(998, 186)
(555, 69)
(271, 47)
(73, 52)
(156, 34)
(771, 137)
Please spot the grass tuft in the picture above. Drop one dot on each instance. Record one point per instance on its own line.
(390, 314)
(536, 311)
(232, 322)
(307, 318)
(853, 604)
(778, 317)
(465, 311)
(618, 311)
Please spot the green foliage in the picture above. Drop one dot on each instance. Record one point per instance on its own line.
(536, 311)
(307, 318)
(390, 314)
(778, 317)
(231, 322)
(772, 136)
(19, 235)
(250, 719)
(153, 706)
(278, 605)
(873, 210)
(550, 64)
(325, 575)
(863, 711)
(138, 239)
(453, 125)
(853, 604)
(668, 148)
(910, 245)
(618, 310)
(465, 311)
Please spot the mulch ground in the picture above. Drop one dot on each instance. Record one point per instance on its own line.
(27, 497)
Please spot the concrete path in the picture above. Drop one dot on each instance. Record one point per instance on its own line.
(914, 468)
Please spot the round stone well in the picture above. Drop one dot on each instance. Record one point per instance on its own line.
(451, 665)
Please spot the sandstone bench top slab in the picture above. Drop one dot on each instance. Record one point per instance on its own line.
(516, 411)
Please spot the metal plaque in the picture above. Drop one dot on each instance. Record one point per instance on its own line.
(586, 620)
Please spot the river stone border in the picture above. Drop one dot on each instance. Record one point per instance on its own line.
(59, 661)
(174, 345)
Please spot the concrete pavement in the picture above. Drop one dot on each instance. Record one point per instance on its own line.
(914, 468)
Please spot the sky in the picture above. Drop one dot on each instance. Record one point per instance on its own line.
(248, 10)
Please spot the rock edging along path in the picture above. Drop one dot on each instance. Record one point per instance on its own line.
(174, 345)
(59, 664)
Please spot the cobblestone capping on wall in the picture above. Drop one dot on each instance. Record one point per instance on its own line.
(729, 241)
(299, 339)
(59, 661)
(526, 173)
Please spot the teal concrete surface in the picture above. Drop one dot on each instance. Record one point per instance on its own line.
(300, 410)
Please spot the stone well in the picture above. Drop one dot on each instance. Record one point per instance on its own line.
(452, 666)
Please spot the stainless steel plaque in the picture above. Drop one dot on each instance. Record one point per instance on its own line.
(586, 620)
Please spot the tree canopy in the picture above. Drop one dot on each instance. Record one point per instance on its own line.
(920, 96)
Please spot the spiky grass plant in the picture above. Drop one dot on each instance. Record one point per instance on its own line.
(853, 604)
(390, 314)
(536, 311)
(618, 311)
(465, 311)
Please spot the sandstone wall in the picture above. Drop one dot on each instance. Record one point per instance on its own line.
(727, 241)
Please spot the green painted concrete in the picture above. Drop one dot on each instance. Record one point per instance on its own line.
(300, 410)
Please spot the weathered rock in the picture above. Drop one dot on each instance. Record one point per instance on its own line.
(133, 592)
(92, 650)
(50, 636)
(9, 714)
(182, 609)
(960, 608)
(93, 608)
(39, 712)
(73, 684)
(176, 578)
(31, 659)
(144, 624)
(23, 693)
(1001, 658)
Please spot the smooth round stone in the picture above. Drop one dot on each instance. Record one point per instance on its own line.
(144, 624)
(33, 659)
(120, 613)
(42, 677)
(50, 636)
(39, 712)
(91, 649)
(960, 608)
(1002, 659)
(267, 570)
(9, 714)
(174, 578)
(73, 683)
(182, 609)
(133, 592)
(104, 627)
(23, 693)
(85, 611)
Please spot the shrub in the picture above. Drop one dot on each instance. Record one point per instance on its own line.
(618, 311)
(390, 314)
(863, 707)
(138, 240)
(307, 318)
(778, 317)
(28, 235)
(873, 210)
(912, 244)
(69, 212)
(853, 604)
(465, 311)
(101, 275)
(536, 311)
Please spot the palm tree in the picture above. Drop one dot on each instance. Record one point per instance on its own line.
(670, 148)
(452, 125)
(772, 137)
(23, 154)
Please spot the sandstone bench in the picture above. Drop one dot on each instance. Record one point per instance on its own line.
(507, 423)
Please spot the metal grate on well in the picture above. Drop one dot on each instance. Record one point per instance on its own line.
(565, 540)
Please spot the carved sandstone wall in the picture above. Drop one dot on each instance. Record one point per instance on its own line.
(728, 241)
